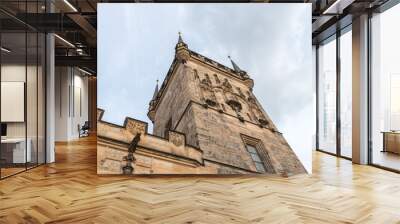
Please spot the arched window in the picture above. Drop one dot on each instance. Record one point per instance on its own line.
(196, 75)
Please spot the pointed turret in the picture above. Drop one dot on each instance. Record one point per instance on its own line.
(235, 66)
(180, 38)
(180, 43)
(181, 49)
(152, 104)
(155, 92)
(237, 69)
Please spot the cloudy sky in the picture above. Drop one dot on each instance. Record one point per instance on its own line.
(272, 42)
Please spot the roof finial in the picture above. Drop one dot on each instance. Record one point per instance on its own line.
(180, 44)
(180, 37)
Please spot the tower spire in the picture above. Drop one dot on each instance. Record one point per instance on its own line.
(180, 43)
(181, 49)
(237, 69)
(180, 37)
(155, 91)
(235, 66)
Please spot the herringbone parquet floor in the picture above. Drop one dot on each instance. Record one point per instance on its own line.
(69, 191)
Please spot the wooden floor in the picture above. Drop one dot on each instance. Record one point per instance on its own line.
(387, 159)
(69, 191)
(5, 172)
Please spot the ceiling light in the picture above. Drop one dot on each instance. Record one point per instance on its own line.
(65, 41)
(338, 6)
(70, 5)
(5, 50)
(79, 51)
(84, 71)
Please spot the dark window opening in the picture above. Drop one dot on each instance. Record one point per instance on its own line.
(217, 79)
(256, 158)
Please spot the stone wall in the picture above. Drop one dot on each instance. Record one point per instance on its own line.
(187, 125)
(226, 86)
(177, 96)
(153, 154)
(219, 136)
(213, 124)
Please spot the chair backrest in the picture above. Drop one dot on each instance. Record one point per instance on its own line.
(86, 125)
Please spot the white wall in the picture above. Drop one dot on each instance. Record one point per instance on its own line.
(71, 102)
(12, 73)
(80, 103)
(33, 126)
(16, 73)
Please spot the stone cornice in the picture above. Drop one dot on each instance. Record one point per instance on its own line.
(143, 150)
(215, 64)
(191, 102)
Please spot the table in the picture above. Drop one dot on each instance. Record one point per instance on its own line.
(391, 141)
(13, 150)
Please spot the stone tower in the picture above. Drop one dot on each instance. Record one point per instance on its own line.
(215, 108)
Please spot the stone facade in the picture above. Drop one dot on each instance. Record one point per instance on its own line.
(206, 120)
(153, 155)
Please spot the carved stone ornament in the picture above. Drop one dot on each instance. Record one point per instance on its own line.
(135, 127)
(226, 84)
(251, 100)
(208, 93)
(236, 106)
(206, 81)
(217, 79)
(196, 75)
(176, 138)
(211, 102)
(263, 122)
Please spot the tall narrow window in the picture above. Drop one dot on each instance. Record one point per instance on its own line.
(240, 92)
(327, 95)
(345, 93)
(217, 79)
(385, 89)
(196, 75)
(256, 158)
(258, 154)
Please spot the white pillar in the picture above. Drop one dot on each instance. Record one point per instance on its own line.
(360, 90)
(50, 99)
